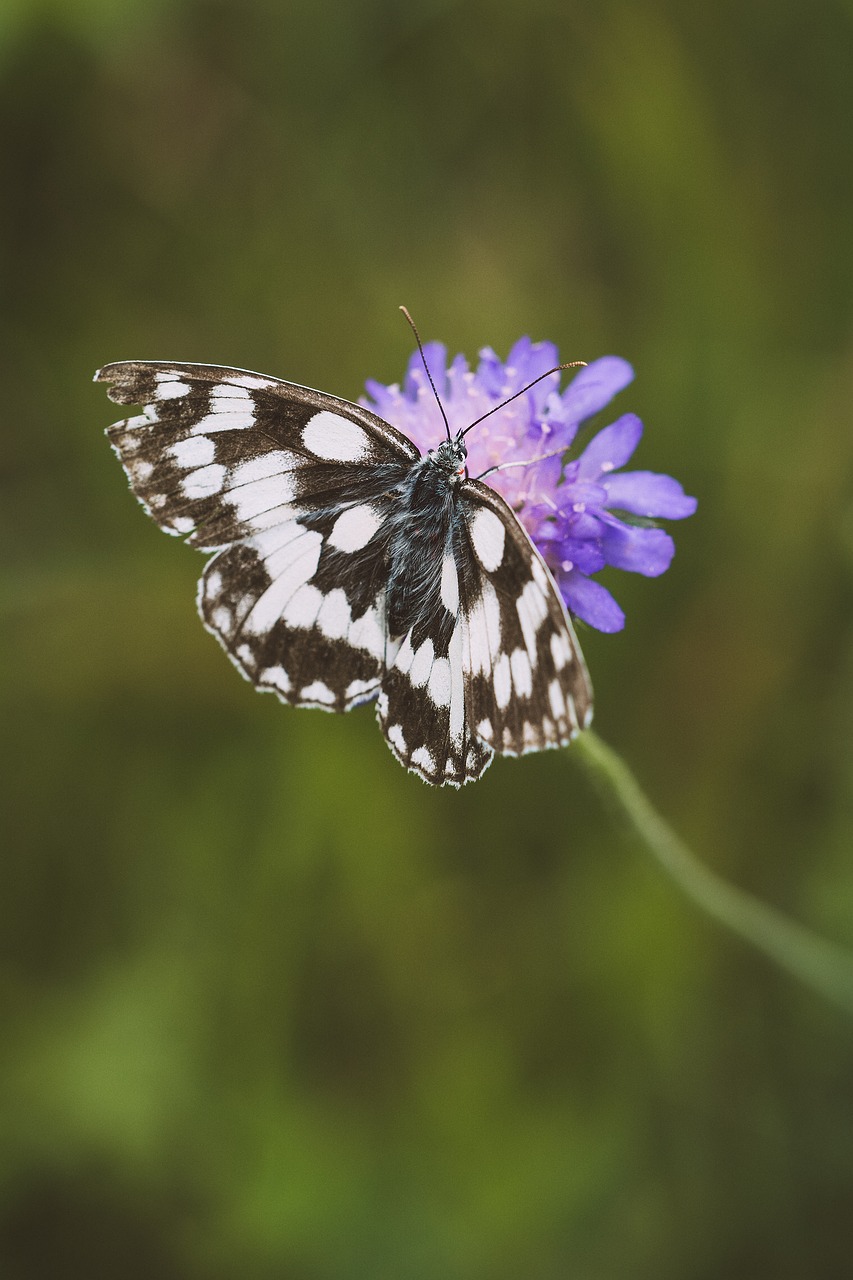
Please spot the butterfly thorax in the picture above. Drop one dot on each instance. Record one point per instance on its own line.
(450, 457)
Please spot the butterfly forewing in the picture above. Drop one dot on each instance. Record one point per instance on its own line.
(219, 453)
(347, 567)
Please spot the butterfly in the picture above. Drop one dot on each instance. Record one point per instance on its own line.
(349, 567)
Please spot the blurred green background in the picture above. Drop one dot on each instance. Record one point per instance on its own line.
(270, 1007)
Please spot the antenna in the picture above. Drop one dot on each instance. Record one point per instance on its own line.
(528, 462)
(426, 367)
(573, 364)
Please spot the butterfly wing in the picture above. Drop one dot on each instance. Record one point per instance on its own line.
(290, 487)
(493, 665)
(423, 709)
(526, 684)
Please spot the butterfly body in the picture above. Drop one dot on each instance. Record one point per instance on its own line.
(348, 567)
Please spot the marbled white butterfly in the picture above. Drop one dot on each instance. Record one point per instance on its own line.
(349, 567)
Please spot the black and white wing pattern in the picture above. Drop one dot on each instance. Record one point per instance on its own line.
(348, 567)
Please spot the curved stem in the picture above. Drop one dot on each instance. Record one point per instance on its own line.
(821, 965)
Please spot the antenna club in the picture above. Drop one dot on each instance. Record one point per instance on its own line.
(573, 364)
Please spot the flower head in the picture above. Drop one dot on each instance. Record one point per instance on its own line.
(573, 508)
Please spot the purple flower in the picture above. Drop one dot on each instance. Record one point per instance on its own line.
(574, 510)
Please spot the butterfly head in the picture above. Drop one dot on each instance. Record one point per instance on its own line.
(450, 457)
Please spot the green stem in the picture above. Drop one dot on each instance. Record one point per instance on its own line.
(821, 965)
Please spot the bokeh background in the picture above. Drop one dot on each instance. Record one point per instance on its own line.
(270, 1007)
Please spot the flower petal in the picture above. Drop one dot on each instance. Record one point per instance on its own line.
(490, 372)
(645, 551)
(610, 448)
(591, 602)
(579, 553)
(581, 524)
(379, 398)
(577, 497)
(435, 354)
(646, 493)
(595, 386)
(530, 360)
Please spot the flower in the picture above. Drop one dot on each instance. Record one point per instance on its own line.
(581, 513)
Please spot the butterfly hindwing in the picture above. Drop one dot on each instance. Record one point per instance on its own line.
(423, 709)
(293, 624)
(497, 668)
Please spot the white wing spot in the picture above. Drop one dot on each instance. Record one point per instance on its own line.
(263, 467)
(522, 676)
(278, 677)
(395, 736)
(169, 388)
(263, 497)
(405, 656)
(231, 390)
(555, 697)
(213, 584)
(334, 617)
(492, 612)
(204, 482)
(540, 577)
(354, 528)
(360, 689)
(532, 609)
(439, 683)
(219, 420)
(502, 681)
(367, 632)
(485, 730)
(290, 567)
(449, 585)
(195, 451)
(330, 436)
(303, 607)
(318, 692)
(560, 650)
(423, 758)
(422, 664)
(456, 726)
(488, 535)
(183, 524)
(254, 380)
